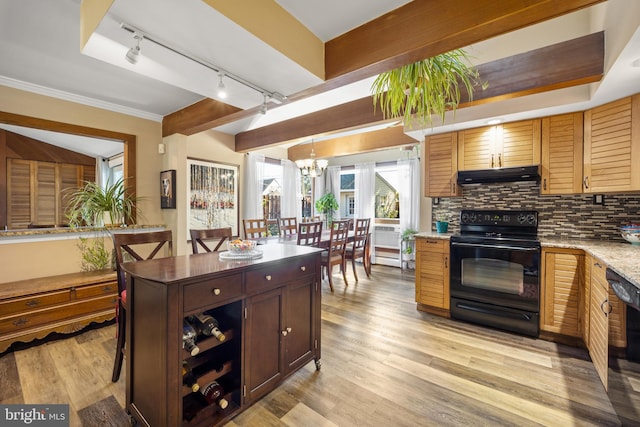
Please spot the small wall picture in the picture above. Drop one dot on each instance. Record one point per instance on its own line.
(168, 189)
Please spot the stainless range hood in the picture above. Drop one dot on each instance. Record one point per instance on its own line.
(515, 174)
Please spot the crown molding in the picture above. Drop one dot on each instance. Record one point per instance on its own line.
(79, 99)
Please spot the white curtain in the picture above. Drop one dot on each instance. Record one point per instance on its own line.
(366, 197)
(332, 184)
(291, 196)
(253, 182)
(409, 192)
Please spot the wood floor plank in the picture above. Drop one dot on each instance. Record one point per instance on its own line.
(10, 392)
(302, 415)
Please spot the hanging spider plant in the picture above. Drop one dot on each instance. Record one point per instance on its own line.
(425, 88)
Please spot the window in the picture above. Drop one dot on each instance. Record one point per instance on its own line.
(271, 191)
(347, 200)
(386, 190)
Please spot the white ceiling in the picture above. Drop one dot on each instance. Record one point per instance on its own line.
(39, 44)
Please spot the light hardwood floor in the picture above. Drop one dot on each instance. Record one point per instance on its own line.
(383, 364)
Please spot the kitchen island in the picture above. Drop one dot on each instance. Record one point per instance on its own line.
(268, 307)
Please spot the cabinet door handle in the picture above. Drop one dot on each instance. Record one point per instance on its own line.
(32, 303)
(303, 268)
(544, 184)
(586, 182)
(453, 188)
(216, 291)
(500, 159)
(268, 277)
(597, 264)
(446, 262)
(606, 313)
(491, 160)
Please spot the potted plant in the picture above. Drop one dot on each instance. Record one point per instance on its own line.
(430, 86)
(95, 205)
(407, 236)
(442, 223)
(327, 204)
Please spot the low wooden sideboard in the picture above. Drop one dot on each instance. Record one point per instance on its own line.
(67, 303)
(268, 308)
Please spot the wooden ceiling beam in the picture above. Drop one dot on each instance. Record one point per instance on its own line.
(382, 139)
(422, 29)
(565, 64)
(418, 30)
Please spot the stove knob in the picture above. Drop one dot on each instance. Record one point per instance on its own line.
(522, 218)
(464, 218)
(531, 219)
(473, 218)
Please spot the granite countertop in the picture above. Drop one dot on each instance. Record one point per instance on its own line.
(621, 257)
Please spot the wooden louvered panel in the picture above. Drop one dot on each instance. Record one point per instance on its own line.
(432, 273)
(562, 154)
(441, 165)
(475, 147)
(44, 206)
(69, 180)
(520, 144)
(562, 284)
(586, 298)
(19, 193)
(612, 147)
(617, 321)
(598, 331)
(88, 174)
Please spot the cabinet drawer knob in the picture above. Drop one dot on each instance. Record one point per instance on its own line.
(216, 291)
(106, 289)
(289, 330)
(32, 303)
(284, 333)
(268, 277)
(303, 268)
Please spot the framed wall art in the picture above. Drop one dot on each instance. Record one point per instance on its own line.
(168, 189)
(213, 195)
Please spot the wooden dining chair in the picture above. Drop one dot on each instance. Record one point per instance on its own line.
(310, 233)
(254, 228)
(133, 247)
(288, 226)
(335, 253)
(357, 248)
(217, 236)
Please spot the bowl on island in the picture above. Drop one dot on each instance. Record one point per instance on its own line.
(239, 246)
(631, 233)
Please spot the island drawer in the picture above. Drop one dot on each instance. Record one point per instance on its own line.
(212, 292)
(265, 278)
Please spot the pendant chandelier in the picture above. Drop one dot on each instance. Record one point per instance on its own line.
(312, 167)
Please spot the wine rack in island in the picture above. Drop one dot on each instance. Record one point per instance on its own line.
(268, 314)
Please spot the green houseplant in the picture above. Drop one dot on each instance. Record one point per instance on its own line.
(425, 88)
(95, 205)
(327, 204)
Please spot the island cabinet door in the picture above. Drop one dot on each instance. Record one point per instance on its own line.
(298, 332)
(263, 358)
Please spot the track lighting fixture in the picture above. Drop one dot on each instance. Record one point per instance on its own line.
(222, 92)
(133, 54)
(263, 107)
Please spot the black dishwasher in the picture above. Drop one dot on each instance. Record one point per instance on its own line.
(629, 294)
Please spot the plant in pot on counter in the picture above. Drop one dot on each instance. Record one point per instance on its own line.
(327, 205)
(93, 205)
(442, 222)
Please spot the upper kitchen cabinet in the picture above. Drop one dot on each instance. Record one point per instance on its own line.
(506, 145)
(441, 165)
(612, 146)
(562, 154)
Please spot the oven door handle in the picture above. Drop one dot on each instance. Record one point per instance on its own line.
(479, 245)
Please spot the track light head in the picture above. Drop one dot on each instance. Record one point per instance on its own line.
(133, 54)
(222, 92)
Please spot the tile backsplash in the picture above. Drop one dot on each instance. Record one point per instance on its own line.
(566, 216)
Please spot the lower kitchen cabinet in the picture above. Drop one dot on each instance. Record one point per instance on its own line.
(432, 275)
(268, 309)
(599, 320)
(562, 291)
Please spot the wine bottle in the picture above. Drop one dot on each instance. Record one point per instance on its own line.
(189, 335)
(188, 378)
(208, 325)
(213, 393)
